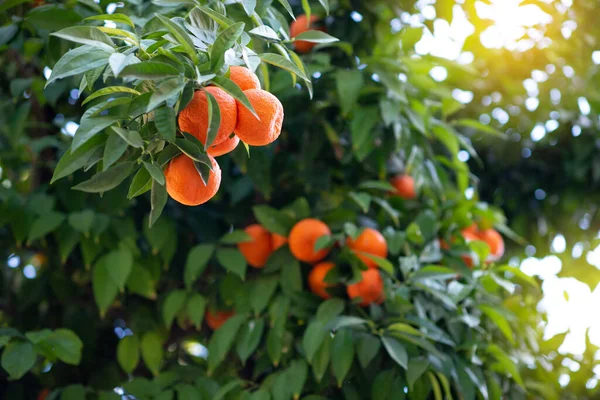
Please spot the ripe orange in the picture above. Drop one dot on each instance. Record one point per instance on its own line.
(369, 289)
(43, 394)
(405, 186)
(224, 147)
(194, 118)
(216, 320)
(369, 241)
(316, 279)
(303, 237)
(259, 249)
(278, 241)
(266, 129)
(185, 185)
(469, 236)
(303, 24)
(244, 78)
(495, 241)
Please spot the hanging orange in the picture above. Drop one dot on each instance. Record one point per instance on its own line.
(303, 237)
(244, 78)
(267, 128)
(369, 289)
(316, 279)
(257, 251)
(217, 319)
(185, 185)
(370, 241)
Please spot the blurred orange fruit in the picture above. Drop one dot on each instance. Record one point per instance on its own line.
(303, 237)
(370, 241)
(259, 249)
(300, 25)
(217, 319)
(405, 186)
(369, 289)
(278, 241)
(316, 279)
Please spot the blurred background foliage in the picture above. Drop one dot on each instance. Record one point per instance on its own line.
(518, 79)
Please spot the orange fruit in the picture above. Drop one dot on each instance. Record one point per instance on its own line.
(266, 129)
(43, 394)
(370, 241)
(244, 78)
(473, 228)
(369, 289)
(227, 146)
(300, 25)
(259, 249)
(405, 186)
(316, 279)
(193, 119)
(185, 185)
(303, 237)
(217, 319)
(495, 241)
(278, 241)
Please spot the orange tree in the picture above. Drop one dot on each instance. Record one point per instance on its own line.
(339, 254)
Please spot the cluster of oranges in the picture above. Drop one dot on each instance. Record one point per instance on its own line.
(490, 236)
(302, 239)
(183, 181)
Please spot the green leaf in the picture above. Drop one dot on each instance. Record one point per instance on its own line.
(197, 260)
(273, 220)
(149, 70)
(224, 42)
(158, 200)
(228, 387)
(105, 289)
(265, 32)
(518, 274)
(133, 138)
(196, 305)
(65, 345)
(362, 199)
(45, 224)
(416, 368)
(119, 61)
(89, 128)
(164, 119)
(8, 4)
(345, 321)
(18, 357)
(234, 90)
(77, 61)
(73, 392)
(396, 351)
(262, 291)
(325, 4)
(249, 6)
(499, 320)
(214, 119)
(193, 151)
(505, 364)
(141, 282)
(437, 272)
(172, 305)
(348, 85)
(216, 16)
(362, 126)
(379, 185)
(330, 309)
(222, 340)
(367, 349)
(156, 172)
(89, 35)
(320, 360)
(181, 36)
(233, 261)
(342, 354)
(287, 7)
(71, 161)
(235, 237)
(316, 37)
(169, 88)
(113, 150)
(249, 338)
(140, 184)
(52, 18)
(476, 125)
(152, 351)
(107, 180)
(297, 373)
(313, 337)
(283, 63)
(128, 353)
(122, 18)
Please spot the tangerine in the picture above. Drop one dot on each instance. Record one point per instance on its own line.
(369, 289)
(227, 146)
(185, 185)
(405, 186)
(303, 237)
(494, 241)
(244, 78)
(43, 394)
(316, 279)
(278, 241)
(193, 119)
(217, 319)
(300, 25)
(267, 128)
(370, 241)
(257, 251)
